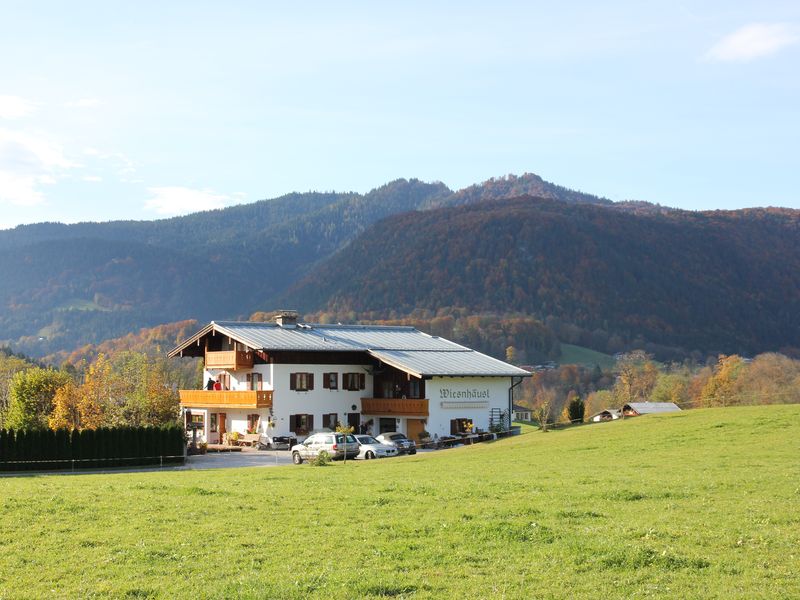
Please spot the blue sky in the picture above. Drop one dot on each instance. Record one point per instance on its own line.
(112, 110)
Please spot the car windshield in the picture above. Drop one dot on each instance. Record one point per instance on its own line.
(367, 439)
(397, 437)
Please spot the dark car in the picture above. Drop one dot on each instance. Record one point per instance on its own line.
(399, 441)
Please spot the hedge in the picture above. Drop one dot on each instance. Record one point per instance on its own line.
(44, 449)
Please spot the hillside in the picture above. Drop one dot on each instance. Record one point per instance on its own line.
(699, 504)
(722, 281)
(68, 285)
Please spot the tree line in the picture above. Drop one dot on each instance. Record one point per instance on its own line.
(730, 380)
(128, 389)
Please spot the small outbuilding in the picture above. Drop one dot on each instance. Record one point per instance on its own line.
(522, 413)
(635, 409)
(609, 414)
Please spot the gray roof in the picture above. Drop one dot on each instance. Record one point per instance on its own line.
(405, 348)
(520, 408)
(646, 408)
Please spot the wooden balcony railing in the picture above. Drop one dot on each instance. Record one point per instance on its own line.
(394, 406)
(203, 399)
(229, 359)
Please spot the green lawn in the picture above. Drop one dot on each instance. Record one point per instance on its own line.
(696, 504)
(578, 355)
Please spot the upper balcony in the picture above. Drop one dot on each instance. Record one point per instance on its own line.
(395, 406)
(220, 399)
(229, 359)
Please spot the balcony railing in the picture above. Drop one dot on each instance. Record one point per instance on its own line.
(394, 406)
(229, 359)
(203, 399)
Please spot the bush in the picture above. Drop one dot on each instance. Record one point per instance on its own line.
(323, 459)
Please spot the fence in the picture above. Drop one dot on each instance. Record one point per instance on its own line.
(44, 449)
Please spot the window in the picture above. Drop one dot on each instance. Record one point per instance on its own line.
(254, 381)
(301, 382)
(353, 381)
(330, 381)
(460, 426)
(301, 424)
(414, 388)
(330, 420)
(198, 420)
(213, 422)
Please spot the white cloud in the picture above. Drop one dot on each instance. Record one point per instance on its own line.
(14, 107)
(84, 103)
(752, 41)
(27, 162)
(176, 200)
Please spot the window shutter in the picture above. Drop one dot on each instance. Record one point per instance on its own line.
(310, 422)
(293, 381)
(292, 422)
(310, 381)
(453, 426)
(362, 381)
(325, 377)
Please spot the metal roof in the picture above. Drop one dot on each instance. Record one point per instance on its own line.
(652, 407)
(405, 348)
(463, 363)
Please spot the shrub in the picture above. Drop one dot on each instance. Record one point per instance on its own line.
(323, 459)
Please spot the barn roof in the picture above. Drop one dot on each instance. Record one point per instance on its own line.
(646, 408)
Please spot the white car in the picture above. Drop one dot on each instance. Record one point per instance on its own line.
(372, 448)
(337, 445)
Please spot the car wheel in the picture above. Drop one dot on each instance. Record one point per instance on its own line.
(369, 455)
(296, 458)
(412, 451)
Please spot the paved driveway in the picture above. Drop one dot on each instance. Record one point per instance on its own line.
(225, 460)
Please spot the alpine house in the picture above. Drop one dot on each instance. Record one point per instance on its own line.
(288, 379)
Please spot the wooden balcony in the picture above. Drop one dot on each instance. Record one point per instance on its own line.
(229, 359)
(394, 406)
(204, 399)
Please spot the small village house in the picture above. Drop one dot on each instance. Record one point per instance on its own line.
(291, 378)
(522, 413)
(609, 414)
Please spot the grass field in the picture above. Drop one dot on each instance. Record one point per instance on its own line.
(689, 505)
(578, 355)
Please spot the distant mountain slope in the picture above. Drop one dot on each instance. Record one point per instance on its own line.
(723, 280)
(67, 285)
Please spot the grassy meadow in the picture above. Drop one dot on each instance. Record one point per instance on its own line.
(698, 504)
(578, 355)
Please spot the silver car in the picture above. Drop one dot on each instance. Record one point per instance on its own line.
(372, 448)
(337, 445)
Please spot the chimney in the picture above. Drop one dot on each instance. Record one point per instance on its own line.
(287, 319)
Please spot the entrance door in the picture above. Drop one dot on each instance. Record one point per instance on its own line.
(413, 428)
(221, 424)
(354, 421)
(386, 425)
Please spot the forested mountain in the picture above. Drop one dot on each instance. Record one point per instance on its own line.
(722, 280)
(67, 285)
(598, 273)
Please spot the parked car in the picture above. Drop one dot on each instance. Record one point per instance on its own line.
(399, 441)
(372, 448)
(278, 442)
(337, 445)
